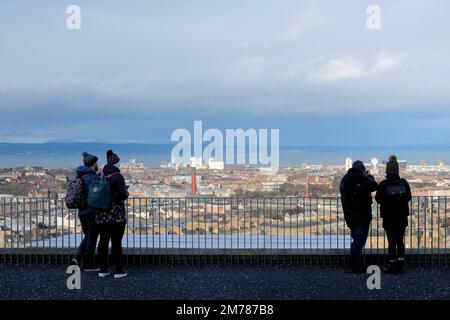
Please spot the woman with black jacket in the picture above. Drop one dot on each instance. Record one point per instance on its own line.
(112, 222)
(394, 195)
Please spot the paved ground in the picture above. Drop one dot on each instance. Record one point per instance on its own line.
(223, 282)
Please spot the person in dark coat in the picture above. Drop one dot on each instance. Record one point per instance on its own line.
(85, 255)
(394, 195)
(356, 188)
(112, 222)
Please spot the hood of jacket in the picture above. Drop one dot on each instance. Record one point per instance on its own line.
(84, 170)
(354, 172)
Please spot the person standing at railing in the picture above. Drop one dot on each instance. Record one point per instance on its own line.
(85, 255)
(394, 195)
(112, 222)
(356, 188)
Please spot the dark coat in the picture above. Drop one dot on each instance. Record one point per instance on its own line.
(86, 174)
(359, 211)
(119, 193)
(393, 211)
(116, 184)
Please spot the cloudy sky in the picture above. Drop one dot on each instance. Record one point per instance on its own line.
(137, 70)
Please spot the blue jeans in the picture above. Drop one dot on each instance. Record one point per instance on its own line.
(359, 234)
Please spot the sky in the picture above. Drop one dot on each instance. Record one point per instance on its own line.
(137, 70)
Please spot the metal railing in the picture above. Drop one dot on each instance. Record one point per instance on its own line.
(304, 230)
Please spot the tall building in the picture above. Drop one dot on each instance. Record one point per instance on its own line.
(215, 165)
(194, 183)
(374, 163)
(348, 164)
(196, 162)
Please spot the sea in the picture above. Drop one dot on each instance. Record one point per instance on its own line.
(68, 155)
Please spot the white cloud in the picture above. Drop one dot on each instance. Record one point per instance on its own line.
(349, 66)
(386, 62)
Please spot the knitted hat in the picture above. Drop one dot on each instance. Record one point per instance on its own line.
(392, 166)
(89, 159)
(359, 165)
(112, 158)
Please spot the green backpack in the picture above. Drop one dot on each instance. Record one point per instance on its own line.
(99, 195)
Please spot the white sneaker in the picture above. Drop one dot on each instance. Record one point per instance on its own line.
(92, 269)
(120, 275)
(104, 274)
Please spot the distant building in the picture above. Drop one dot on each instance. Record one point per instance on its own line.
(216, 165)
(172, 165)
(185, 179)
(374, 163)
(348, 163)
(132, 164)
(196, 162)
(61, 178)
(402, 164)
(268, 171)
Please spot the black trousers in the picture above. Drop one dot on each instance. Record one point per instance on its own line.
(395, 234)
(87, 246)
(111, 232)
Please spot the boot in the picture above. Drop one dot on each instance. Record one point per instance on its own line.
(391, 267)
(401, 265)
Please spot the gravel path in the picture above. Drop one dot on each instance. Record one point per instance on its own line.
(223, 282)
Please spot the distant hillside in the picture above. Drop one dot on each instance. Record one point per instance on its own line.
(69, 148)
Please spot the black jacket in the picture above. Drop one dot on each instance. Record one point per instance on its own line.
(393, 211)
(357, 210)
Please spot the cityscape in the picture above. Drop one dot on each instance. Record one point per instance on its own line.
(240, 207)
(215, 179)
(225, 157)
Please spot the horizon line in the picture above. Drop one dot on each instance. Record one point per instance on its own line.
(170, 144)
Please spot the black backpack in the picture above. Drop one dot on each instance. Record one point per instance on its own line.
(396, 190)
(358, 194)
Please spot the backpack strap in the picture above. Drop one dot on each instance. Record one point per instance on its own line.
(103, 176)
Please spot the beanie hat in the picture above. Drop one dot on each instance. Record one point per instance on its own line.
(359, 165)
(392, 166)
(112, 158)
(89, 159)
